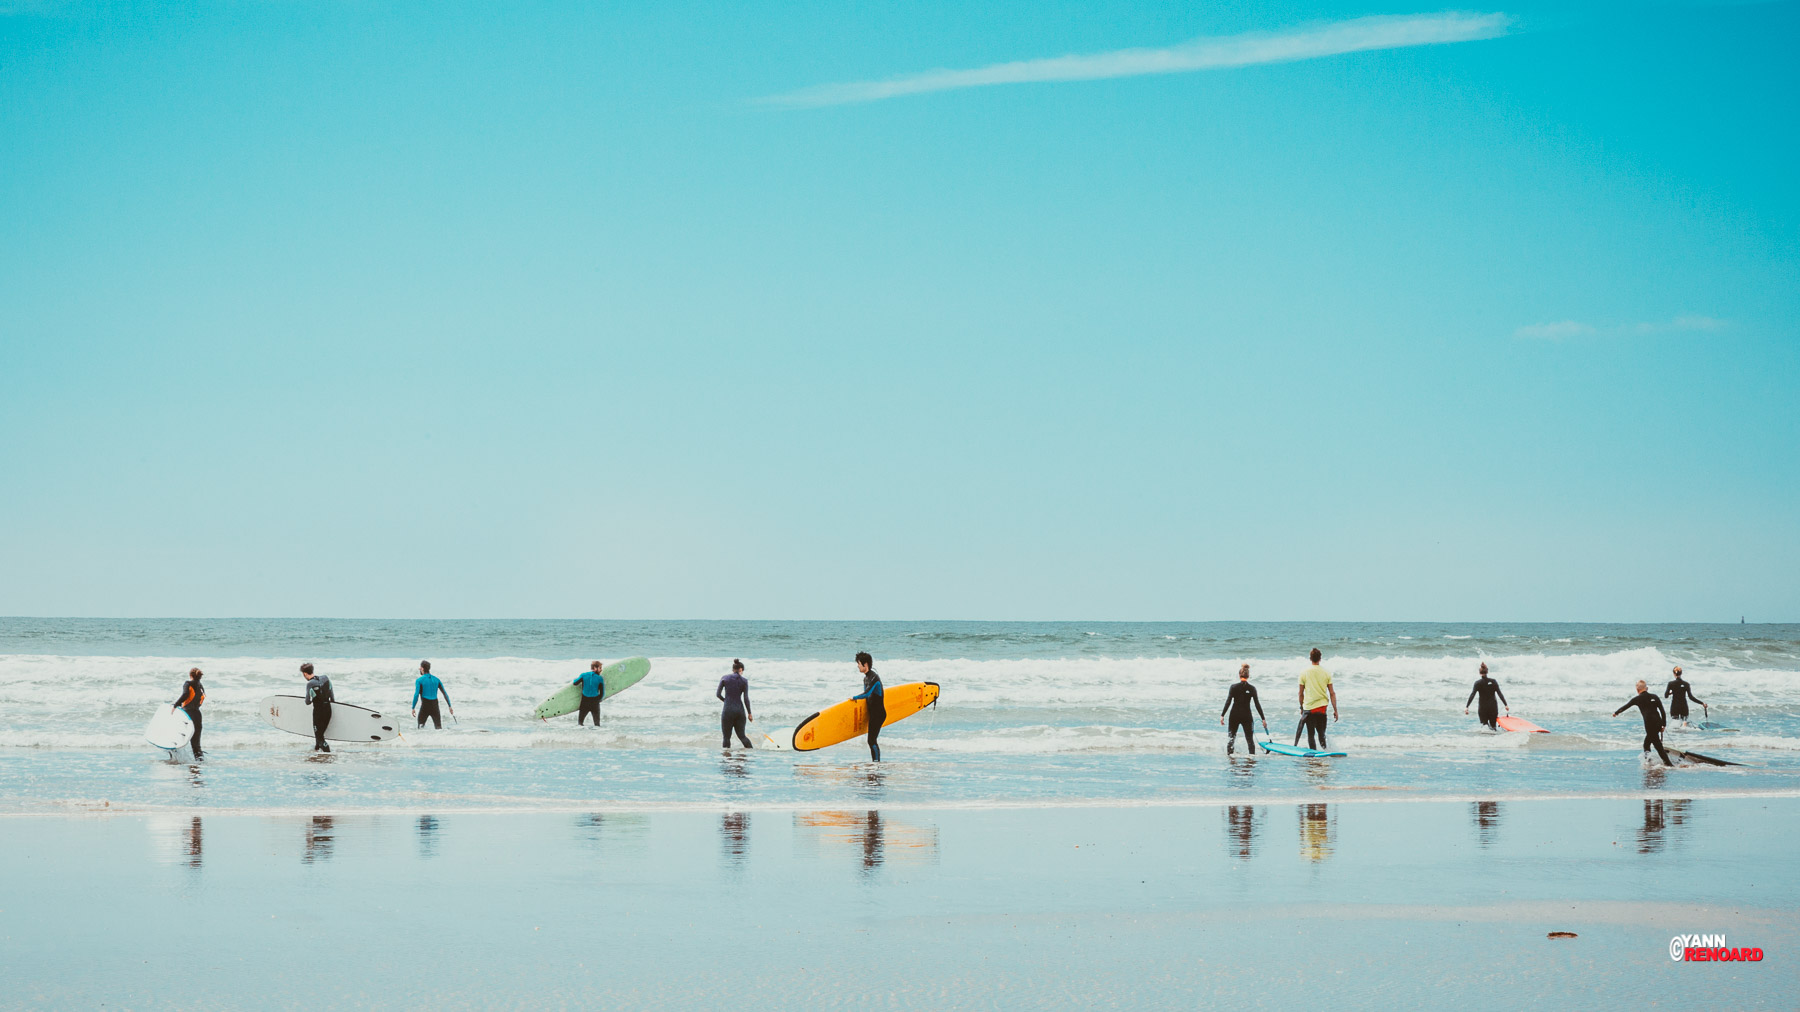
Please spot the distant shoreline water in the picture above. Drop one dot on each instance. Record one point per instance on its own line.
(905, 640)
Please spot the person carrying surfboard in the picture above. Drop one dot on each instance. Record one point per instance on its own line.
(1315, 691)
(1487, 689)
(319, 694)
(1238, 700)
(1678, 693)
(593, 687)
(189, 699)
(1652, 710)
(872, 691)
(428, 687)
(734, 692)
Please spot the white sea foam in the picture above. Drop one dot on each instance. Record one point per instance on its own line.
(1078, 704)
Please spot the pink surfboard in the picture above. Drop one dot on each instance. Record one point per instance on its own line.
(1511, 723)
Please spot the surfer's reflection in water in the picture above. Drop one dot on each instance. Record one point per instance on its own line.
(872, 780)
(319, 840)
(1487, 821)
(874, 838)
(1659, 818)
(619, 829)
(1315, 832)
(734, 835)
(735, 764)
(196, 843)
(428, 832)
(871, 842)
(1317, 771)
(1240, 829)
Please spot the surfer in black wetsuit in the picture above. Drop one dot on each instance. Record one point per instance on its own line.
(1678, 693)
(872, 692)
(1652, 710)
(1239, 700)
(318, 693)
(734, 689)
(1487, 689)
(192, 695)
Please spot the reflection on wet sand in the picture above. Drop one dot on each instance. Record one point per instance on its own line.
(613, 828)
(1659, 817)
(865, 778)
(1315, 831)
(1242, 771)
(196, 843)
(871, 834)
(1317, 771)
(734, 834)
(428, 831)
(1240, 828)
(319, 840)
(1487, 821)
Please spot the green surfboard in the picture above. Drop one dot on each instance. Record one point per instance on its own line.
(619, 676)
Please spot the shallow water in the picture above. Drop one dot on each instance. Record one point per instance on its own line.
(1040, 713)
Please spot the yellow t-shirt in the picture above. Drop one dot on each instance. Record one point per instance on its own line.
(1314, 679)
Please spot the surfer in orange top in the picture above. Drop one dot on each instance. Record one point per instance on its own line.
(877, 704)
(192, 695)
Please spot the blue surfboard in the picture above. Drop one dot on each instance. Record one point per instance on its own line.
(1295, 750)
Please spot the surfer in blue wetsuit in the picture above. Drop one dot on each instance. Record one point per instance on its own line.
(1239, 700)
(1652, 709)
(1487, 689)
(1677, 693)
(318, 693)
(734, 691)
(192, 695)
(872, 692)
(593, 689)
(428, 687)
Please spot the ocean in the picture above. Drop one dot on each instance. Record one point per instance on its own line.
(1038, 714)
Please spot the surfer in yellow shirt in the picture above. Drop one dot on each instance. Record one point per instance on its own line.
(1315, 691)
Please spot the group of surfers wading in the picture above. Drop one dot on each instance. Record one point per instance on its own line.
(429, 690)
(1317, 693)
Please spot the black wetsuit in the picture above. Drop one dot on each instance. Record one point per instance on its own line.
(734, 689)
(1653, 722)
(1678, 693)
(192, 695)
(1239, 700)
(1489, 711)
(318, 693)
(873, 692)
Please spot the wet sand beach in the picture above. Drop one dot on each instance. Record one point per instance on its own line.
(1322, 903)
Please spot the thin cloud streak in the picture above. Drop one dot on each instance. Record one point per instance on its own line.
(1204, 53)
(1563, 330)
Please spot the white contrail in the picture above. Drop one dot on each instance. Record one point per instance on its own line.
(1204, 53)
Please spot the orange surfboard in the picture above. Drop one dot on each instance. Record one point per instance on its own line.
(850, 718)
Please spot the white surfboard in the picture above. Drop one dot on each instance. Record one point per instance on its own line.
(170, 728)
(348, 722)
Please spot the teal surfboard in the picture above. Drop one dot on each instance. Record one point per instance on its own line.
(1295, 750)
(619, 676)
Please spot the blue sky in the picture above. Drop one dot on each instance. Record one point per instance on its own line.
(655, 310)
